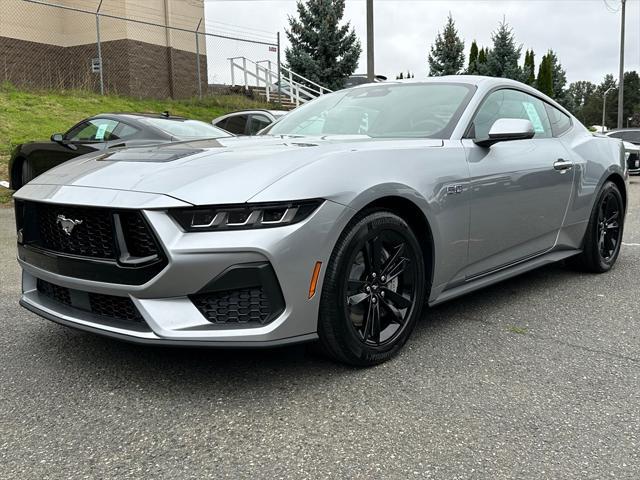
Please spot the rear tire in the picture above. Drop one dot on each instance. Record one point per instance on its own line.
(603, 238)
(373, 291)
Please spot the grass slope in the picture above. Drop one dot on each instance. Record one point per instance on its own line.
(28, 116)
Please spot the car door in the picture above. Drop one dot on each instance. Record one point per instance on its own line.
(520, 189)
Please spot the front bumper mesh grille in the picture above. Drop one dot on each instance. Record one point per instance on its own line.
(55, 292)
(244, 306)
(107, 306)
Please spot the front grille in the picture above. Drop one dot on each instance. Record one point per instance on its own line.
(108, 306)
(242, 306)
(92, 237)
(91, 231)
(140, 242)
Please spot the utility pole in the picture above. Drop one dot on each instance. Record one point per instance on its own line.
(604, 107)
(99, 47)
(198, 60)
(371, 74)
(621, 80)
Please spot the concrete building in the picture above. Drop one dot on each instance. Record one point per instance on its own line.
(48, 47)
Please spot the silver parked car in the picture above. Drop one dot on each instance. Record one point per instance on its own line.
(337, 225)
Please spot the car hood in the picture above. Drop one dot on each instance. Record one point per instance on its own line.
(226, 170)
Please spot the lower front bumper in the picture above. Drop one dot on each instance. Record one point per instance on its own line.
(148, 337)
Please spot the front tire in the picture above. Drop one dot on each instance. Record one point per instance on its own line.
(603, 238)
(373, 292)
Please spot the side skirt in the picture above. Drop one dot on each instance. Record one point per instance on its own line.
(503, 274)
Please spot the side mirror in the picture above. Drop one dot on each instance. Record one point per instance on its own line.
(507, 129)
(57, 137)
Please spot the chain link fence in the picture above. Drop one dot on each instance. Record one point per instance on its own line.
(159, 49)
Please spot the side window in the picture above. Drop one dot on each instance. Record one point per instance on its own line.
(237, 124)
(96, 130)
(560, 122)
(258, 122)
(512, 104)
(125, 131)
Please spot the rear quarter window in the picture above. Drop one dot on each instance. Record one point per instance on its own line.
(560, 122)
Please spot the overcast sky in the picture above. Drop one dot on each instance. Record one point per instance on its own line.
(584, 33)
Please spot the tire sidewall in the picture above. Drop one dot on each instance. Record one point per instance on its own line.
(592, 247)
(333, 322)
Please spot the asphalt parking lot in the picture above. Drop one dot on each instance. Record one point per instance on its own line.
(538, 377)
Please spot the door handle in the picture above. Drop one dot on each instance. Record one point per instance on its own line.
(562, 165)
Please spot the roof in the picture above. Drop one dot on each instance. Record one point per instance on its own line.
(135, 115)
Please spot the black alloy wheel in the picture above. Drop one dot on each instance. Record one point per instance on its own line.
(609, 226)
(373, 290)
(380, 287)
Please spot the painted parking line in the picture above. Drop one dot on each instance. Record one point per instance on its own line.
(4, 184)
(631, 244)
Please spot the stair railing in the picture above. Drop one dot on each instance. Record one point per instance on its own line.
(258, 74)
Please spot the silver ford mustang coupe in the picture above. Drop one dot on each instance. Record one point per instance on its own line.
(338, 224)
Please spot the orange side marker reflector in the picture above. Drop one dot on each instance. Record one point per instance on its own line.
(314, 279)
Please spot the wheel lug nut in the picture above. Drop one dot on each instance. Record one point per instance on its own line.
(368, 289)
(374, 299)
(373, 274)
(382, 278)
(382, 294)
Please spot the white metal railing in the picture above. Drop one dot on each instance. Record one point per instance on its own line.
(264, 73)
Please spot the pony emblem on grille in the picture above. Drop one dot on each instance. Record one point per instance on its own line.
(67, 224)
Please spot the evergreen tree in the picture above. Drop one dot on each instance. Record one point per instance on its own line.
(447, 53)
(321, 49)
(530, 67)
(482, 60)
(545, 77)
(502, 59)
(559, 80)
(472, 69)
(400, 76)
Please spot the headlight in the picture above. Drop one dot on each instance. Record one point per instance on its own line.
(243, 217)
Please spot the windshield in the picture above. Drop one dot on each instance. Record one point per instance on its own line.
(186, 129)
(381, 110)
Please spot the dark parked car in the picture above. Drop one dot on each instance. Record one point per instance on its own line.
(247, 122)
(629, 135)
(102, 132)
(360, 79)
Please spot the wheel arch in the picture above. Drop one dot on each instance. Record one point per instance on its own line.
(411, 213)
(622, 186)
